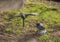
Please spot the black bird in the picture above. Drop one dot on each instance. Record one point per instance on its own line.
(24, 16)
(41, 29)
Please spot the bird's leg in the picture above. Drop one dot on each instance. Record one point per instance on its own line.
(23, 22)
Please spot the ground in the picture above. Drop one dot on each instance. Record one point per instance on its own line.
(12, 30)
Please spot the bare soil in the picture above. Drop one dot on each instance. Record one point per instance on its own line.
(54, 3)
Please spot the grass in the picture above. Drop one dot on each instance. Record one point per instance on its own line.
(47, 16)
(57, 40)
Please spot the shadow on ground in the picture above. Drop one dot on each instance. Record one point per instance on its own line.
(29, 38)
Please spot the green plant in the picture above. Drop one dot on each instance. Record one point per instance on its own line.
(57, 39)
(45, 37)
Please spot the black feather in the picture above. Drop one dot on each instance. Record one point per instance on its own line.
(39, 26)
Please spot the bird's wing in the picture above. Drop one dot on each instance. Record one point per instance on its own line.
(31, 14)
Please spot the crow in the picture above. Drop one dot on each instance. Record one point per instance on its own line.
(41, 29)
(24, 16)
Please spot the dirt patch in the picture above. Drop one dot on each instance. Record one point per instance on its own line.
(6, 5)
(50, 3)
